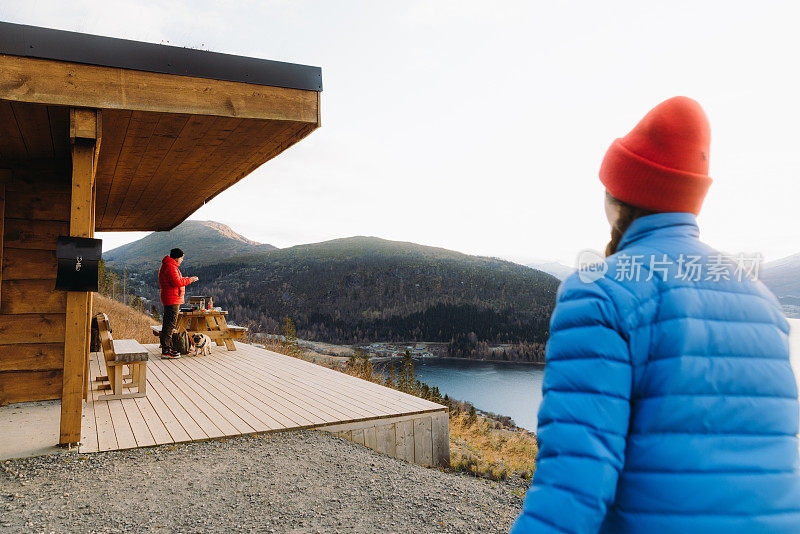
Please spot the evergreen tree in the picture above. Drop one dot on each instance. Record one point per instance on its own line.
(125, 286)
(473, 416)
(288, 330)
(102, 276)
(390, 378)
(289, 341)
(365, 366)
(136, 303)
(407, 378)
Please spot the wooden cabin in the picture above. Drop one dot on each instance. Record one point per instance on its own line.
(102, 134)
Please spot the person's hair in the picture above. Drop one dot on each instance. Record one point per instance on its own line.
(175, 253)
(627, 214)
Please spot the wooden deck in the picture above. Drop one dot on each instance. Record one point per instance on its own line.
(246, 391)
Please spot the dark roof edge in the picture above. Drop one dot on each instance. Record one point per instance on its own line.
(60, 45)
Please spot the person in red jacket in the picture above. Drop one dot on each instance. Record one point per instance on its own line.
(172, 285)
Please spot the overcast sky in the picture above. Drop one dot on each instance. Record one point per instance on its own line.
(480, 126)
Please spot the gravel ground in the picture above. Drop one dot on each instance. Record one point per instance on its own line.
(289, 482)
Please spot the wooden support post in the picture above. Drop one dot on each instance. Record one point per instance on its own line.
(84, 133)
(89, 312)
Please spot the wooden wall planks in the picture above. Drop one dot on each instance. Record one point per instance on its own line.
(404, 448)
(23, 386)
(32, 313)
(31, 296)
(29, 264)
(33, 234)
(440, 435)
(43, 203)
(31, 357)
(4, 176)
(423, 439)
(32, 328)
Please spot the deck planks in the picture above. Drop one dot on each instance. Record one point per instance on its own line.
(347, 386)
(106, 438)
(246, 411)
(287, 389)
(324, 392)
(246, 391)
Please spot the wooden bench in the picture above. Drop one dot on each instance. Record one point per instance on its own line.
(117, 354)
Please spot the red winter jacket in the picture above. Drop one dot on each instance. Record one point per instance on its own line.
(171, 282)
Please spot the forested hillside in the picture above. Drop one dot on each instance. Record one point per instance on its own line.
(361, 289)
(365, 289)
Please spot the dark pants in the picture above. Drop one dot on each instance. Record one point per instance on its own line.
(168, 324)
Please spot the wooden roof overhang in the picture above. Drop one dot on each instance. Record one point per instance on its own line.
(178, 126)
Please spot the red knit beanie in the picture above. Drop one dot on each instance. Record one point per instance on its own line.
(662, 164)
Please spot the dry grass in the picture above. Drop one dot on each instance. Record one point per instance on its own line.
(478, 446)
(126, 323)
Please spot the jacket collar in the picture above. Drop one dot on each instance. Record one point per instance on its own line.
(675, 223)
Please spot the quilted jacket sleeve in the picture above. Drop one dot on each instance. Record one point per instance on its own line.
(583, 419)
(175, 279)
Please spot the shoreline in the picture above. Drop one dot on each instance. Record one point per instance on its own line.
(485, 413)
(384, 359)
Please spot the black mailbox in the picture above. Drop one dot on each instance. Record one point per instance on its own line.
(78, 262)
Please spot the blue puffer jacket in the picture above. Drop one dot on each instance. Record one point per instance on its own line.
(669, 405)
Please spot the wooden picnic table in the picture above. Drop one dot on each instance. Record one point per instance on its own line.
(209, 322)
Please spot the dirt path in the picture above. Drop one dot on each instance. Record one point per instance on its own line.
(289, 482)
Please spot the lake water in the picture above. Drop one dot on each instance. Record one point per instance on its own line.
(512, 389)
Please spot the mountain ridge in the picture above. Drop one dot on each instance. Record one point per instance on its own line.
(555, 268)
(782, 277)
(201, 241)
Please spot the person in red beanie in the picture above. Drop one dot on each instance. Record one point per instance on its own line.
(669, 403)
(172, 287)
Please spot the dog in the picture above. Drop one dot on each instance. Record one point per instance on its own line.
(201, 344)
